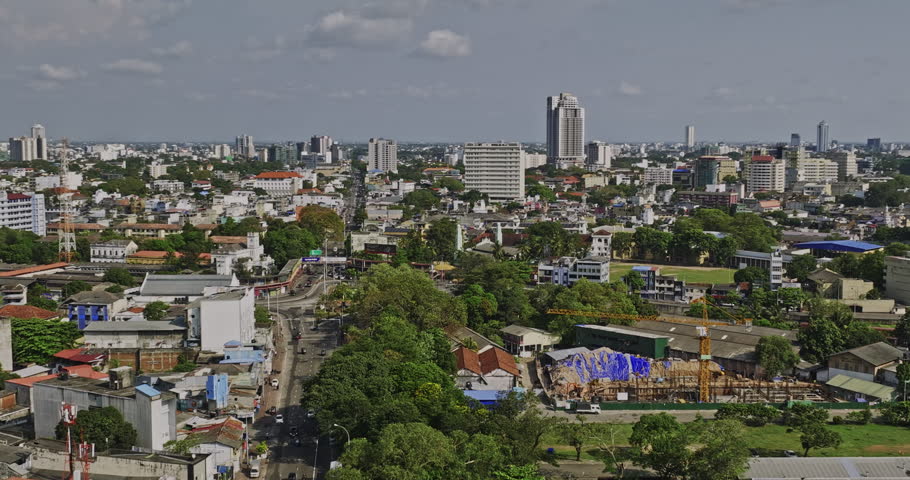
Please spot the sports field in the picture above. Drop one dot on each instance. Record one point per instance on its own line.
(689, 274)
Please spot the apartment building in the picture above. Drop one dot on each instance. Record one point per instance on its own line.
(20, 211)
(496, 169)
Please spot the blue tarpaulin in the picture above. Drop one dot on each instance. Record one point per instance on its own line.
(608, 366)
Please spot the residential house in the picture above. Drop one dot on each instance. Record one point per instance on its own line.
(490, 369)
(134, 334)
(223, 441)
(864, 363)
(112, 251)
(27, 311)
(93, 306)
(251, 253)
(525, 341)
(568, 270)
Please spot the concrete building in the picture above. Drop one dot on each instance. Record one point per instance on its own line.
(244, 146)
(157, 169)
(495, 169)
(382, 154)
(491, 368)
(524, 341)
(183, 288)
(602, 243)
(93, 306)
(599, 156)
(22, 149)
(712, 169)
(658, 176)
(865, 363)
(151, 412)
(690, 136)
(251, 253)
(40, 136)
(221, 151)
(709, 199)
(897, 279)
(20, 211)
(565, 130)
(135, 334)
(321, 144)
(279, 184)
(566, 271)
(766, 174)
(846, 165)
(822, 143)
(795, 140)
(221, 318)
(819, 170)
(112, 251)
(169, 186)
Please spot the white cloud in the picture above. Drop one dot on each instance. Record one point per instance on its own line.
(348, 94)
(53, 73)
(258, 50)
(134, 66)
(444, 44)
(261, 94)
(350, 29)
(180, 49)
(319, 54)
(199, 96)
(629, 89)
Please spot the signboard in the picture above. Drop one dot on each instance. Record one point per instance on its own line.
(310, 259)
(315, 253)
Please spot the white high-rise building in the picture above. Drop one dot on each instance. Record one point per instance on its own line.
(766, 174)
(157, 169)
(690, 136)
(22, 149)
(221, 151)
(658, 176)
(565, 130)
(846, 165)
(496, 169)
(600, 156)
(40, 137)
(823, 143)
(244, 146)
(382, 154)
(816, 170)
(20, 211)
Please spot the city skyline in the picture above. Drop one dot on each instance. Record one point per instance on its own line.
(169, 70)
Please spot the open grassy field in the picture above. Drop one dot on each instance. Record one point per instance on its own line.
(872, 440)
(689, 274)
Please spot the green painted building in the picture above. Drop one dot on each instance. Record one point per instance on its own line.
(621, 340)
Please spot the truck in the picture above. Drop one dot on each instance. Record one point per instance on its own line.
(585, 407)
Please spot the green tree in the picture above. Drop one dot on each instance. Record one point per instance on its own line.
(182, 446)
(896, 249)
(546, 193)
(322, 222)
(660, 442)
(120, 276)
(450, 183)
(524, 472)
(902, 330)
(722, 454)
(820, 339)
(284, 242)
(481, 308)
(421, 200)
(634, 281)
(816, 435)
(262, 316)
(36, 341)
(408, 293)
(903, 378)
(799, 415)
(441, 239)
(155, 311)
(801, 267)
(105, 427)
(776, 355)
(755, 276)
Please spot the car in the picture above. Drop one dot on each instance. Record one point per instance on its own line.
(303, 351)
(790, 453)
(322, 352)
(297, 442)
(272, 410)
(275, 383)
(279, 418)
(310, 413)
(293, 432)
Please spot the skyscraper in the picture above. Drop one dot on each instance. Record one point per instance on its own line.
(22, 149)
(496, 169)
(712, 169)
(874, 144)
(382, 155)
(822, 143)
(600, 156)
(846, 165)
(766, 174)
(40, 141)
(690, 136)
(795, 140)
(244, 147)
(565, 131)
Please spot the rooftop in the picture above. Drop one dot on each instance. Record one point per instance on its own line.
(26, 311)
(183, 285)
(867, 388)
(834, 468)
(132, 326)
(846, 246)
(877, 354)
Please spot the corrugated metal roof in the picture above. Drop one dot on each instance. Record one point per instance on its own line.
(840, 246)
(182, 285)
(865, 387)
(816, 468)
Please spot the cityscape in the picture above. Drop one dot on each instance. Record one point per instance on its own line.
(625, 266)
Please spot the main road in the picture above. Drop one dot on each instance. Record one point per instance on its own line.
(297, 453)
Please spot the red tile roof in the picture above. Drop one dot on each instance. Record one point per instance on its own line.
(228, 239)
(17, 196)
(29, 381)
(26, 311)
(467, 359)
(306, 191)
(497, 358)
(78, 355)
(278, 175)
(135, 309)
(762, 158)
(36, 268)
(86, 371)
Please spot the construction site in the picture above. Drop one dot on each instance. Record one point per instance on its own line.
(604, 375)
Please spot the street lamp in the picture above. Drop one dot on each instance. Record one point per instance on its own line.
(346, 432)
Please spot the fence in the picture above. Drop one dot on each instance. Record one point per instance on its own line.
(715, 406)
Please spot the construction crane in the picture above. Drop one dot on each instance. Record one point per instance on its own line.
(67, 241)
(702, 327)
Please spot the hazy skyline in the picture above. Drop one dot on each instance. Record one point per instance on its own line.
(452, 70)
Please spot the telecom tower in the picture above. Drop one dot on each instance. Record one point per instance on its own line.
(81, 453)
(67, 231)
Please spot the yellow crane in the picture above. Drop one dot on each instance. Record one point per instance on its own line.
(702, 326)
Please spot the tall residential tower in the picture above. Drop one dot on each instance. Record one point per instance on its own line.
(822, 142)
(382, 155)
(565, 131)
(690, 136)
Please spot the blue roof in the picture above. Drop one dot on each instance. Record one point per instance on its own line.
(681, 170)
(484, 395)
(851, 246)
(643, 268)
(147, 390)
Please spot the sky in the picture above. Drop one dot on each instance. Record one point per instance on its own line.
(453, 70)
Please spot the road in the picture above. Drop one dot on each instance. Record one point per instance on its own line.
(285, 456)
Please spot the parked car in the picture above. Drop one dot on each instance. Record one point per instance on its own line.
(272, 410)
(322, 352)
(310, 413)
(293, 431)
(275, 383)
(279, 418)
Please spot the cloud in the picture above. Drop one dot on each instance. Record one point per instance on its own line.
(180, 49)
(134, 66)
(261, 94)
(348, 94)
(352, 29)
(444, 44)
(319, 54)
(199, 96)
(53, 73)
(629, 89)
(259, 50)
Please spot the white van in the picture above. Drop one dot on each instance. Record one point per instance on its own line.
(254, 469)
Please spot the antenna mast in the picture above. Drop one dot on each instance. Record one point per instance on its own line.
(67, 230)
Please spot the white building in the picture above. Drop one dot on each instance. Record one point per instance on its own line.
(846, 165)
(251, 253)
(600, 156)
(495, 169)
(766, 174)
(658, 176)
(601, 243)
(112, 251)
(221, 318)
(565, 130)
(897, 279)
(40, 137)
(170, 186)
(812, 170)
(19, 211)
(690, 136)
(533, 160)
(221, 151)
(157, 169)
(382, 154)
(823, 143)
(566, 271)
(244, 146)
(279, 184)
(22, 149)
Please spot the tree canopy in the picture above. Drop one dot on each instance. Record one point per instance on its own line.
(105, 427)
(36, 341)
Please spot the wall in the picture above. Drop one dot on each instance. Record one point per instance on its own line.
(226, 320)
(151, 360)
(897, 278)
(115, 466)
(6, 344)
